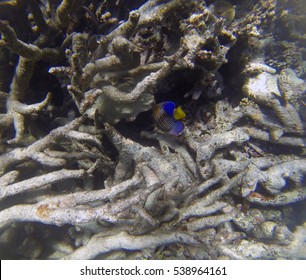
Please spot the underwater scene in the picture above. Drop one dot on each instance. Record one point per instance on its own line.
(152, 129)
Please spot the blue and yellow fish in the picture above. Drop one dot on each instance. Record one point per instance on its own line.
(167, 117)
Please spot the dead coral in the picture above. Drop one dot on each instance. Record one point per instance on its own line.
(290, 16)
(100, 186)
(109, 82)
(264, 89)
(29, 54)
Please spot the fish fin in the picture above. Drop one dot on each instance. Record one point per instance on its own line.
(177, 128)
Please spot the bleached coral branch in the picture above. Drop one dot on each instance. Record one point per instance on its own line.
(249, 250)
(21, 154)
(123, 241)
(106, 185)
(28, 51)
(62, 209)
(40, 181)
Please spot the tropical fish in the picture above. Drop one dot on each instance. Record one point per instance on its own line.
(167, 117)
(223, 9)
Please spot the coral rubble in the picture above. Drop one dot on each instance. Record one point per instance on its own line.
(85, 174)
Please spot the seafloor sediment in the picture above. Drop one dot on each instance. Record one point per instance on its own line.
(86, 173)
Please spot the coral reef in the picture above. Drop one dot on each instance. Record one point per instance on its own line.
(85, 173)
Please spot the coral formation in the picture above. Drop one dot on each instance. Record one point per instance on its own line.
(84, 172)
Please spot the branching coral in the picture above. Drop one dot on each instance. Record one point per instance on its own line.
(29, 54)
(100, 84)
(99, 182)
